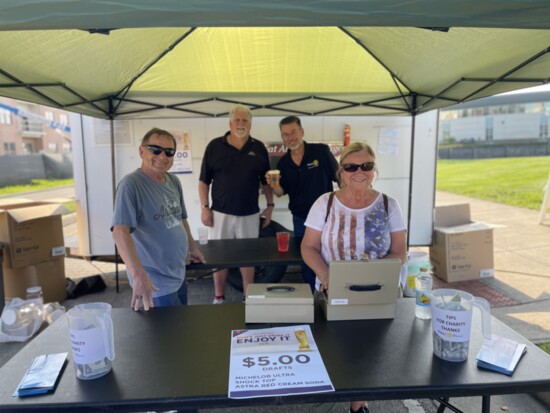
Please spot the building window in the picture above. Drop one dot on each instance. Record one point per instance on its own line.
(9, 148)
(5, 117)
(27, 148)
(48, 115)
(66, 147)
(52, 147)
(63, 119)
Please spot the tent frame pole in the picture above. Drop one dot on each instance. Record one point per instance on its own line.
(113, 178)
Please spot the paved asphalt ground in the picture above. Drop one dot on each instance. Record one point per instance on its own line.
(519, 295)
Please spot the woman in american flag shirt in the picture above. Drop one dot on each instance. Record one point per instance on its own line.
(355, 222)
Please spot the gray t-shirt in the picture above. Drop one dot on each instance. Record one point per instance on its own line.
(154, 213)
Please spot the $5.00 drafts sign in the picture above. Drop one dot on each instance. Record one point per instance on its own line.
(277, 361)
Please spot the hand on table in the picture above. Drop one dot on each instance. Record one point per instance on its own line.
(142, 292)
(196, 255)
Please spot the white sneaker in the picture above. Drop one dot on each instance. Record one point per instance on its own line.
(218, 300)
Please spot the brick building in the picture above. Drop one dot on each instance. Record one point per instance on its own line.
(28, 128)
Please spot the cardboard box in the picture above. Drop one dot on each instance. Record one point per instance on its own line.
(361, 290)
(32, 234)
(279, 303)
(50, 275)
(462, 250)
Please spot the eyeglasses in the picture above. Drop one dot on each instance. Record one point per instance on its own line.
(157, 150)
(353, 167)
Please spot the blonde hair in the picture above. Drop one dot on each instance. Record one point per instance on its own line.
(353, 147)
(356, 147)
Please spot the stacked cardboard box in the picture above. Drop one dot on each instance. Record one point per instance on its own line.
(462, 250)
(34, 248)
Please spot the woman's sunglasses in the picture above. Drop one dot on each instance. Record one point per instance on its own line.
(157, 150)
(353, 167)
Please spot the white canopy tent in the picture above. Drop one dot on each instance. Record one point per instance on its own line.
(137, 59)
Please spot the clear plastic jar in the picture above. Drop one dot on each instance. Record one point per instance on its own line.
(52, 311)
(21, 319)
(34, 295)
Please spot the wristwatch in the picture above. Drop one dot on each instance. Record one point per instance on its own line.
(270, 205)
(204, 206)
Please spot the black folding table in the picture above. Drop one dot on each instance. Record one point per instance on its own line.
(177, 358)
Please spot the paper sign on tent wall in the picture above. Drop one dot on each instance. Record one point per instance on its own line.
(388, 141)
(102, 132)
(182, 159)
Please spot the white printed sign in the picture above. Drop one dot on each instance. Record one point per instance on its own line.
(452, 326)
(88, 345)
(276, 362)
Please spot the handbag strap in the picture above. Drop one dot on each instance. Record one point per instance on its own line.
(331, 198)
(329, 204)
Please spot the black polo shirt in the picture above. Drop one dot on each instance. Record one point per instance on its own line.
(235, 175)
(311, 179)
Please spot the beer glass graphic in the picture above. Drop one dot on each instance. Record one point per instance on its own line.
(301, 336)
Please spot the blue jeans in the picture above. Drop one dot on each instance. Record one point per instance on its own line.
(299, 230)
(175, 299)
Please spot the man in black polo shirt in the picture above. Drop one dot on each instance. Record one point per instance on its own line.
(307, 172)
(235, 164)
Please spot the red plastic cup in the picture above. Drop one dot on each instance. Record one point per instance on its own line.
(282, 241)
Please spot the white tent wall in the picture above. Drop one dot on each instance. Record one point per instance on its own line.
(390, 137)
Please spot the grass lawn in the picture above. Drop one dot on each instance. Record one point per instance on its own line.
(545, 347)
(38, 185)
(35, 185)
(510, 181)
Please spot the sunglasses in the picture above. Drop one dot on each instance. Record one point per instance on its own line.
(353, 167)
(157, 150)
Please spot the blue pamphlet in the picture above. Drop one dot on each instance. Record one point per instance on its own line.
(500, 354)
(42, 376)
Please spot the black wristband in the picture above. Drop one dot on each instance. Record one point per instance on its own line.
(270, 205)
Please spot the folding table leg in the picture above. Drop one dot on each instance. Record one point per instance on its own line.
(444, 404)
(485, 404)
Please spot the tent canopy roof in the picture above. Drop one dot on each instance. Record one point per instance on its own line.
(175, 59)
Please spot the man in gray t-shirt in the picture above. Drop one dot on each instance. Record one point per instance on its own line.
(150, 226)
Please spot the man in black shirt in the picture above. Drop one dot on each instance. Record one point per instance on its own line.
(235, 165)
(307, 172)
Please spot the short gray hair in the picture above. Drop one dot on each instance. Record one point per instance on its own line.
(242, 108)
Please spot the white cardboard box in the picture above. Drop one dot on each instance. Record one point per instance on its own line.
(279, 303)
(462, 250)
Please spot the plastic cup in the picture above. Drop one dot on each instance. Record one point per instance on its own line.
(203, 235)
(282, 241)
(274, 175)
